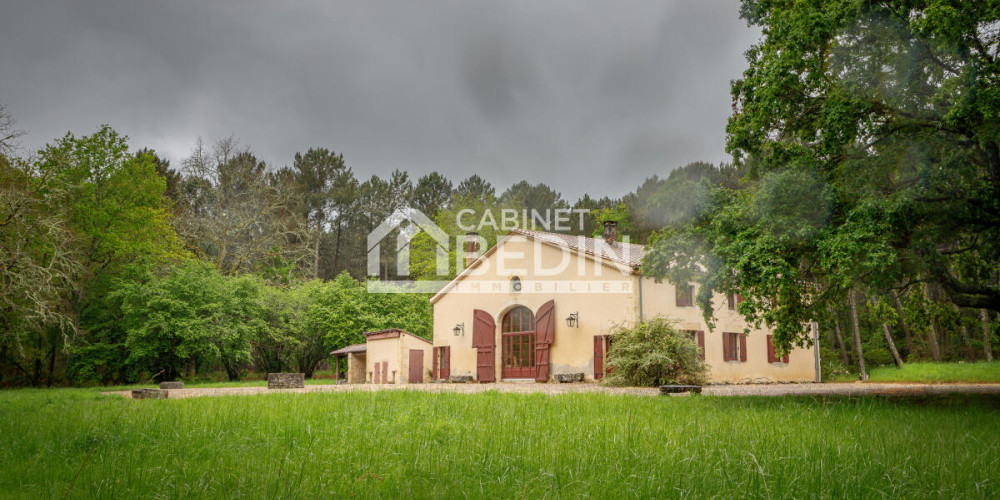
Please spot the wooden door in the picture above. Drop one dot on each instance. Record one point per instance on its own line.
(376, 375)
(484, 340)
(545, 329)
(416, 375)
(385, 372)
(442, 363)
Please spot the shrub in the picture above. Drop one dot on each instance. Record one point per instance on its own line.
(652, 353)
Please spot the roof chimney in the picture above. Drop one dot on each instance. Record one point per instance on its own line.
(471, 248)
(610, 232)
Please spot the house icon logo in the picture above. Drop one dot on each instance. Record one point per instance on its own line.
(417, 222)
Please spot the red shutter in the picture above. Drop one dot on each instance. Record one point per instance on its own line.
(598, 357)
(446, 363)
(770, 350)
(434, 363)
(545, 330)
(377, 374)
(484, 340)
(727, 345)
(743, 347)
(701, 343)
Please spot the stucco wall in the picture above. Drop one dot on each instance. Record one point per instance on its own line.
(572, 350)
(660, 299)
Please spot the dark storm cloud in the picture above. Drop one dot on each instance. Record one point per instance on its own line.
(585, 96)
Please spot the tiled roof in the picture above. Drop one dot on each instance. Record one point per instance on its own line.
(628, 254)
(353, 348)
(388, 330)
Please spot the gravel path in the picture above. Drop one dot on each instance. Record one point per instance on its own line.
(526, 388)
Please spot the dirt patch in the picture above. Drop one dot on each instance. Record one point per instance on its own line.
(835, 389)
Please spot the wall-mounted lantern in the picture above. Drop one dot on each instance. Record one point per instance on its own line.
(573, 320)
(459, 329)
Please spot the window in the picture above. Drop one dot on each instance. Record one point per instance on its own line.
(699, 338)
(518, 328)
(515, 284)
(734, 299)
(734, 346)
(685, 296)
(772, 356)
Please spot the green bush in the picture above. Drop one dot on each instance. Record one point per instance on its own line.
(652, 353)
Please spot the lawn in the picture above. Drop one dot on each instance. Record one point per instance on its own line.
(932, 372)
(423, 445)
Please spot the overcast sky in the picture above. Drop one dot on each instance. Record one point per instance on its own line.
(584, 96)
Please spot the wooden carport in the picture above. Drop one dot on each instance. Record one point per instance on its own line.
(355, 354)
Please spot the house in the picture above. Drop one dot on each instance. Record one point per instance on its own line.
(392, 356)
(538, 305)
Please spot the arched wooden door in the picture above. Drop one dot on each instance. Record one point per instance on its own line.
(483, 335)
(518, 336)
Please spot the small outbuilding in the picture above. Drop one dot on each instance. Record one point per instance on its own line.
(396, 356)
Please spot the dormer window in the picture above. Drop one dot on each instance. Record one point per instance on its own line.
(515, 284)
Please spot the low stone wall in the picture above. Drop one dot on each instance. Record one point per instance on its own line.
(149, 394)
(460, 379)
(286, 380)
(566, 378)
(171, 385)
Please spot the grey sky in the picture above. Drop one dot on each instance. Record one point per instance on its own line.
(584, 96)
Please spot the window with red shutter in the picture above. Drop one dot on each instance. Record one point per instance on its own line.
(743, 347)
(772, 353)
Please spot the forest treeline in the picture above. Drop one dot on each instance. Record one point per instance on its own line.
(117, 265)
(864, 195)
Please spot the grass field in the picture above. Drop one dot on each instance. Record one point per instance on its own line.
(422, 445)
(932, 372)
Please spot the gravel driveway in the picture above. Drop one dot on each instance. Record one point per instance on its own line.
(555, 388)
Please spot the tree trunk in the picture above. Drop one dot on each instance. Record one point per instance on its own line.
(319, 239)
(906, 326)
(857, 335)
(932, 333)
(987, 350)
(840, 340)
(52, 365)
(892, 346)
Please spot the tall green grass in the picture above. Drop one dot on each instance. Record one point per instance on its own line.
(930, 372)
(404, 444)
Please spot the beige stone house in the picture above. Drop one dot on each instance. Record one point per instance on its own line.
(392, 356)
(538, 304)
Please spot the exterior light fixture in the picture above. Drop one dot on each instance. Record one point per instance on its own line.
(573, 320)
(459, 329)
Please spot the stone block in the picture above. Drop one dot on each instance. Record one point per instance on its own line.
(566, 378)
(286, 380)
(171, 385)
(460, 379)
(149, 394)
